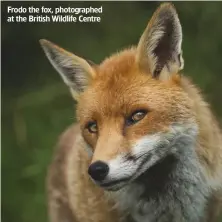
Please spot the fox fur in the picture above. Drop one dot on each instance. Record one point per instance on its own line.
(167, 167)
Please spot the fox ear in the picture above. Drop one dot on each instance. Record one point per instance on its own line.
(159, 49)
(75, 71)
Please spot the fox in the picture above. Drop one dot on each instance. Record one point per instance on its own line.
(146, 146)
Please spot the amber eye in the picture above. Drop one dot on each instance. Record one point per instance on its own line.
(92, 127)
(136, 117)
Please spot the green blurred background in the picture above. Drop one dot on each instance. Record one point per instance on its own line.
(36, 105)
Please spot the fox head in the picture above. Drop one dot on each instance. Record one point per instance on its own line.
(132, 108)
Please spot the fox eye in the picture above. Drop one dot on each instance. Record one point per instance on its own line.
(136, 117)
(92, 127)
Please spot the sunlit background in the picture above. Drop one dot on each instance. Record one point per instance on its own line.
(37, 106)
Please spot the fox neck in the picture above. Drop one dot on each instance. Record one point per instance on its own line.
(173, 189)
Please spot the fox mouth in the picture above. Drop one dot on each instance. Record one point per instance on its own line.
(117, 184)
(114, 185)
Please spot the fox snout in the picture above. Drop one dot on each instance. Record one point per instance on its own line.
(98, 170)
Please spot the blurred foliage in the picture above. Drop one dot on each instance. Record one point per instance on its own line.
(36, 105)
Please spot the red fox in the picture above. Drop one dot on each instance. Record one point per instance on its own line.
(146, 147)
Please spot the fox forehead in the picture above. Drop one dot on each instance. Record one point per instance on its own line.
(120, 87)
(119, 64)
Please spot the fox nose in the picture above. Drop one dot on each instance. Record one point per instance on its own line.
(98, 170)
